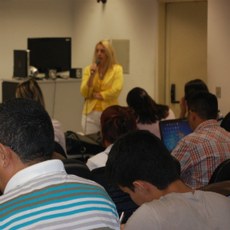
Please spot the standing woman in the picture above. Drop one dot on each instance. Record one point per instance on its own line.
(101, 85)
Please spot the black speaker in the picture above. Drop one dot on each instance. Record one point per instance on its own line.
(21, 63)
(75, 73)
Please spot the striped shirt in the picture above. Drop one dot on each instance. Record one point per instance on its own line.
(43, 196)
(200, 152)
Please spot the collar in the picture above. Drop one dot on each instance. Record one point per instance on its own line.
(107, 150)
(207, 124)
(33, 171)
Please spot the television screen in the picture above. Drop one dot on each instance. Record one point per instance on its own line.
(50, 53)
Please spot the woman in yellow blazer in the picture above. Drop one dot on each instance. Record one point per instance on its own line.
(101, 85)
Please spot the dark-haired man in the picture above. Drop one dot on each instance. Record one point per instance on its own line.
(37, 191)
(200, 152)
(142, 167)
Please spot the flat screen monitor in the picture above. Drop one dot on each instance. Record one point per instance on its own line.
(50, 53)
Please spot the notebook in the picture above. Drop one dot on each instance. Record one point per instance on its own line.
(172, 131)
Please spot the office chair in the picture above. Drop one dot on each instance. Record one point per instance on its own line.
(77, 167)
(58, 148)
(221, 173)
(222, 187)
(225, 123)
(122, 200)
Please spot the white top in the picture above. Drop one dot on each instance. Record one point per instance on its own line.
(99, 160)
(199, 210)
(44, 196)
(154, 127)
(59, 135)
(27, 174)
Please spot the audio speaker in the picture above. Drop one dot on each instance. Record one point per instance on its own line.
(76, 73)
(21, 63)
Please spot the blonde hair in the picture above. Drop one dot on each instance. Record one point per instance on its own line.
(109, 51)
(30, 90)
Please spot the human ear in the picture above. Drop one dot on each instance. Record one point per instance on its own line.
(139, 186)
(4, 155)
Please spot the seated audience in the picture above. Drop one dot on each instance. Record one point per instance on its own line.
(142, 167)
(115, 121)
(30, 89)
(200, 152)
(37, 191)
(148, 112)
(191, 87)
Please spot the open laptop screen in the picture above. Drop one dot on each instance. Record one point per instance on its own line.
(172, 131)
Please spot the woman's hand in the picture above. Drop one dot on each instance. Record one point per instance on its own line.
(93, 69)
(97, 96)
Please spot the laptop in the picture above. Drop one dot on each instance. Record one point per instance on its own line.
(172, 131)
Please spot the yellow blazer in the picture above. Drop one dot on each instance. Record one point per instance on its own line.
(109, 88)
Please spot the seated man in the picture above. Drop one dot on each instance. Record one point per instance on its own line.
(37, 191)
(200, 152)
(141, 165)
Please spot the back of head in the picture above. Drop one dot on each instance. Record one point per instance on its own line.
(136, 97)
(27, 129)
(30, 89)
(146, 109)
(204, 104)
(139, 155)
(194, 86)
(115, 121)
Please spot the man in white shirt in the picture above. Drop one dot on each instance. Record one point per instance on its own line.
(142, 167)
(37, 191)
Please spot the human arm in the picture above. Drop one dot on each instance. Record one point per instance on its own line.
(182, 153)
(87, 83)
(113, 83)
(183, 108)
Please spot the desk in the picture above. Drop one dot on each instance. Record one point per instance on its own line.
(63, 100)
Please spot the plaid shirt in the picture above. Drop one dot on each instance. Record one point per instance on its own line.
(200, 152)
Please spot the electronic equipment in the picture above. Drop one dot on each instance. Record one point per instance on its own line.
(50, 53)
(21, 63)
(172, 131)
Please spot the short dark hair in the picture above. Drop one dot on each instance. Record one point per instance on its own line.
(140, 155)
(194, 86)
(27, 129)
(204, 104)
(116, 120)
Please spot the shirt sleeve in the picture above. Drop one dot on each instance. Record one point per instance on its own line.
(182, 153)
(85, 90)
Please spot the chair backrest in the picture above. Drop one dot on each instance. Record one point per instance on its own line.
(122, 200)
(222, 187)
(58, 148)
(225, 123)
(221, 173)
(77, 168)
